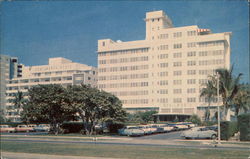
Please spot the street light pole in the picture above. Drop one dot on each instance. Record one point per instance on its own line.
(218, 94)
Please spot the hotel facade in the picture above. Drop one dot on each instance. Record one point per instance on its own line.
(58, 71)
(167, 70)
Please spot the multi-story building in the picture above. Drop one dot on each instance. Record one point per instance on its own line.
(9, 68)
(164, 72)
(58, 71)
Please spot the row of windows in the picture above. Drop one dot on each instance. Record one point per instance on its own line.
(123, 52)
(124, 60)
(211, 43)
(123, 85)
(135, 101)
(123, 68)
(211, 62)
(122, 77)
(193, 44)
(211, 53)
(42, 80)
(131, 93)
(177, 55)
(163, 56)
(177, 34)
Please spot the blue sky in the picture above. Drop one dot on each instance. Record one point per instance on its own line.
(35, 31)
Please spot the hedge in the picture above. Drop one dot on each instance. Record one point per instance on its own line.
(72, 127)
(244, 126)
(228, 129)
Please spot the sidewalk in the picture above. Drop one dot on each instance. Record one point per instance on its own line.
(14, 155)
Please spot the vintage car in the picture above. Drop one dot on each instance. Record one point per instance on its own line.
(199, 133)
(42, 127)
(6, 128)
(131, 131)
(24, 128)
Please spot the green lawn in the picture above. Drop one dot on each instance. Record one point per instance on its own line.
(120, 151)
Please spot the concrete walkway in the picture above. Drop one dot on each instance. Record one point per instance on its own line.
(12, 155)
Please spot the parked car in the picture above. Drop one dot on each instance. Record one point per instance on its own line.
(214, 127)
(42, 127)
(131, 131)
(24, 128)
(168, 128)
(154, 128)
(181, 126)
(6, 128)
(146, 128)
(199, 133)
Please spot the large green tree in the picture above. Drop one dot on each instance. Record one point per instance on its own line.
(209, 92)
(94, 106)
(48, 104)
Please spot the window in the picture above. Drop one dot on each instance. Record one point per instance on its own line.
(103, 43)
(177, 82)
(163, 47)
(163, 56)
(177, 34)
(177, 55)
(177, 91)
(191, 81)
(191, 72)
(162, 82)
(163, 74)
(177, 73)
(191, 90)
(163, 36)
(190, 100)
(177, 64)
(191, 33)
(191, 63)
(177, 46)
(162, 91)
(162, 65)
(193, 44)
(192, 53)
(177, 100)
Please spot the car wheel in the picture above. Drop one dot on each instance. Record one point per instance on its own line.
(213, 136)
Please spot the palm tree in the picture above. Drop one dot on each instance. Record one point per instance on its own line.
(18, 101)
(242, 99)
(209, 91)
(228, 88)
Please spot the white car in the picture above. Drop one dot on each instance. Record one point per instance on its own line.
(6, 128)
(42, 127)
(131, 131)
(199, 133)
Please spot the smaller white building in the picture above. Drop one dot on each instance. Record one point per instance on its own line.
(58, 71)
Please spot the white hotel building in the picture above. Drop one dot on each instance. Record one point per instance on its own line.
(166, 71)
(58, 71)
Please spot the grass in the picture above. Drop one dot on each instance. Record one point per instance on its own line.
(120, 151)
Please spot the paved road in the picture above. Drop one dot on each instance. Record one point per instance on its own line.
(164, 136)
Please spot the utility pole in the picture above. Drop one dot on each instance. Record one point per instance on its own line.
(218, 102)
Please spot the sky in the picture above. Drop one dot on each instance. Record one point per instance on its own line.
(34, 31)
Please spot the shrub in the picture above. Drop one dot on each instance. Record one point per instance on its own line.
(194, 119)
(228, 129)
(113, 127)
(244, 126)
(72, 127)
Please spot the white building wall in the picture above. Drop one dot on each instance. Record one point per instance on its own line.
(166, 70)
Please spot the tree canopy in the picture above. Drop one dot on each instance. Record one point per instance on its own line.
(55, 104)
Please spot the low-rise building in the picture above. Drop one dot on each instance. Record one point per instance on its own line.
(58, 71)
